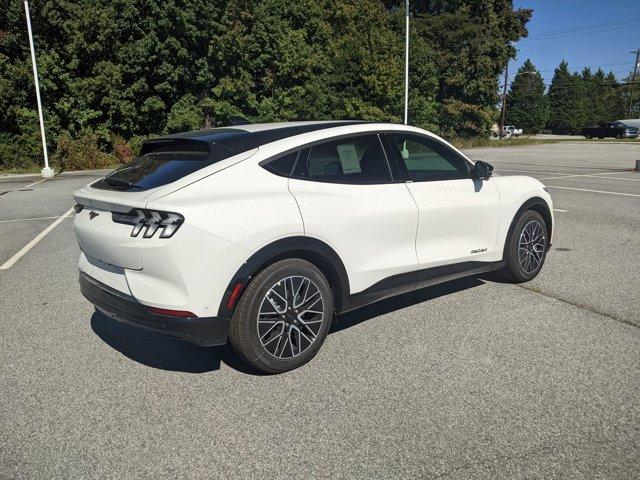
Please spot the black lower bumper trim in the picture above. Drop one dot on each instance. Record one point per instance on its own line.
(204, 331)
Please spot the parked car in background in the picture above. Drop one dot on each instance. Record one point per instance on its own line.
(511, 130)
(615, 129)
(630, 122)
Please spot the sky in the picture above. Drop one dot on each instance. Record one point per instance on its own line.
(605, 46)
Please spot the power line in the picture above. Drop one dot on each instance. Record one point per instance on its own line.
(585, 27)
(634, 24)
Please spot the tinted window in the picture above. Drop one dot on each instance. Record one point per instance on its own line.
(427, 159)
(154, 170)
(349, 160)
(282, 165)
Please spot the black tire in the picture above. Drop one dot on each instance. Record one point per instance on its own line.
(522, 271)
(254, 338)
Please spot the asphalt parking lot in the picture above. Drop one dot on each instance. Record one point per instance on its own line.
(470, 379)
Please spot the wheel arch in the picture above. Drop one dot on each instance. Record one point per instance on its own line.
(537, 204)
(310, 249)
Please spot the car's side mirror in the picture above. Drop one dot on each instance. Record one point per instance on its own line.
(482, 170)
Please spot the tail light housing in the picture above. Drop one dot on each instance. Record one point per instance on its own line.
(149, 222)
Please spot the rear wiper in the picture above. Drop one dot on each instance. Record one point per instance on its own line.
(116, 182)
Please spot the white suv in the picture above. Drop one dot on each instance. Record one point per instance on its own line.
(262, 234)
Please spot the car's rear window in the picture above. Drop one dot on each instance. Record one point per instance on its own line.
(154, 170)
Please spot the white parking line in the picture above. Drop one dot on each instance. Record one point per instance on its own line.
(594, 191)
(28, 219)
(499, 169)
(9, 263)
(558, 210)
(596, 175)
(34, 183)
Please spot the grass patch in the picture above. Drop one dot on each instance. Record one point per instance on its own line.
(20, 171)
(463, 143)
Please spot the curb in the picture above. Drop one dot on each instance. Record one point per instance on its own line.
(19, 177)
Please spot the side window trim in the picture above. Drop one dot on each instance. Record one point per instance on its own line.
(398, 169)
(428, 140)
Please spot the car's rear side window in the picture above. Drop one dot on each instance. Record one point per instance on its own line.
(357, 160)
(282, 165)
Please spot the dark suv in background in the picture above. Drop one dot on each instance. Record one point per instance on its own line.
(611, 129)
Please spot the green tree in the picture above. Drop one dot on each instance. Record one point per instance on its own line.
(527, 105)
(128, 70)
(614, 98)
(564, 101)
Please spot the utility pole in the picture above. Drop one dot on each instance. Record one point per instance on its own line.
(633, 80)
(504, 98)
(406, 63)
(46, 171)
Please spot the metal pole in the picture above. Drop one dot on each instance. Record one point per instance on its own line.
(46, 172)
(504, 99)
(633, 80)
(406, 64)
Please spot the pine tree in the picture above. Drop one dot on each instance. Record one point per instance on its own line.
(614, 99)
(564, 101)
(599, 93)
(527, 106)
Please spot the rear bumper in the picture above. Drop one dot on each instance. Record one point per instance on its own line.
(204, 331)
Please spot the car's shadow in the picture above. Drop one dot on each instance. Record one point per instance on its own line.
(176, 355)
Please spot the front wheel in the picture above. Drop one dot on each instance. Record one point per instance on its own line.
(526, 247)
(283, 317)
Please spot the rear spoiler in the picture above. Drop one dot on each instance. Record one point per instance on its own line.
(175, 145)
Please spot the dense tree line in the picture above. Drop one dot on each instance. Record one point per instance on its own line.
(572, 101)
(115, 71)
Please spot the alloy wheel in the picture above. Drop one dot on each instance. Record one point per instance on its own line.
(531, 246)
(290, 317)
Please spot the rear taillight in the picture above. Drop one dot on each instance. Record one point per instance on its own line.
(150, 221)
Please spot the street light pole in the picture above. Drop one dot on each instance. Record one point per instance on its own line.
(406, 64)
(46, 171)
(633, 80)
(504, 99)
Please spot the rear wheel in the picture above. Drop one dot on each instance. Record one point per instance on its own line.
(283, 317)
(526, 247)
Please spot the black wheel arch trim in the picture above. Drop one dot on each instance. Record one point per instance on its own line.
(539, 205)
(308, 248)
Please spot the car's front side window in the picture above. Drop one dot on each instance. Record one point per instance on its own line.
(426, 159)
(356, 160)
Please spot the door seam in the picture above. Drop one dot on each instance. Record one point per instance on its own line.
(304, 228)
(415, 237)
